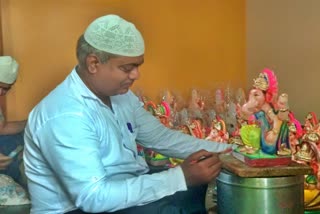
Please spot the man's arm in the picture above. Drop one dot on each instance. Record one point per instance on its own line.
(4, 161)
(171, 143)
(74, 153)
(12, 127)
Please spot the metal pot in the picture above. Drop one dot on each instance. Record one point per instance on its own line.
(271, 195)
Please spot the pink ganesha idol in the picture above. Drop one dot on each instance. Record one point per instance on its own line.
(267, 132)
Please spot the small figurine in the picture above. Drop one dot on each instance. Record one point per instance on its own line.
(304, 153)
(308, 152)
(160, 111)
(196, 104)
(220, 104)
(230, 116)
(196, 128)
(295, 134)
(218, 131)
(169, 102)
(311, 122)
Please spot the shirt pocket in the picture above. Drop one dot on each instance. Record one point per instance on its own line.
(132, 130)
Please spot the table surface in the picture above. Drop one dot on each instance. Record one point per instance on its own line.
(237, 167)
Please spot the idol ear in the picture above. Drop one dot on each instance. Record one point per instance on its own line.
(92, 61)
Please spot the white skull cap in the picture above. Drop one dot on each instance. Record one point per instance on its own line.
(115, 35)
(8, 69)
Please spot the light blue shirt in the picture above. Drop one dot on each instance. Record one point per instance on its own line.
(81, 154)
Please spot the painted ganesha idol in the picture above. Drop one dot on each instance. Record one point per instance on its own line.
(307, 152)
(265, 133)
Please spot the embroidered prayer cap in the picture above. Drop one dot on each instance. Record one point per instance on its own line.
(115, 35)
(8, 69)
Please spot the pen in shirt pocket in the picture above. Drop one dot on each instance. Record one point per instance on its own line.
(130, 127)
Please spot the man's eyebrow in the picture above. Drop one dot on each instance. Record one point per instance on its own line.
(133, 63)
(138, 63)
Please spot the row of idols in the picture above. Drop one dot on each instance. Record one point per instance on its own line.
(259, 122)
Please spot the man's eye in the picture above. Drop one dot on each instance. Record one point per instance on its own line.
(127, 68)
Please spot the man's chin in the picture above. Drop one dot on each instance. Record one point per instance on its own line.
(123, 91)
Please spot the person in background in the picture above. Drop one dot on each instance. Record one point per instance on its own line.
(80, 140)
(11, 132)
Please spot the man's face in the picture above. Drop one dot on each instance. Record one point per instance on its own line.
(116, 76)
(4, 88)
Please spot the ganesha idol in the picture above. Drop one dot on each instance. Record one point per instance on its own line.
(265, 134)
(308, 152)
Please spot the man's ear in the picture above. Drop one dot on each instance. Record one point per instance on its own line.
(92, 61)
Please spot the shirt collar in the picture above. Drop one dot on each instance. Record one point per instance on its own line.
(82, 89)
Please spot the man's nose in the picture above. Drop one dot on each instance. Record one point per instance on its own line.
(134, 74)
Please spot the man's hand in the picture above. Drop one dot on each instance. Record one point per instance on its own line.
(201, 167)
(4, 161)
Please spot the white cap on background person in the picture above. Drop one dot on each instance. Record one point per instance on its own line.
(8, 69)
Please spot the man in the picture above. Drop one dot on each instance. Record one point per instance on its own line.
(11, 133)
(81, 154)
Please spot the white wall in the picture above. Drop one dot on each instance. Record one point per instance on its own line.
(284, 35)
